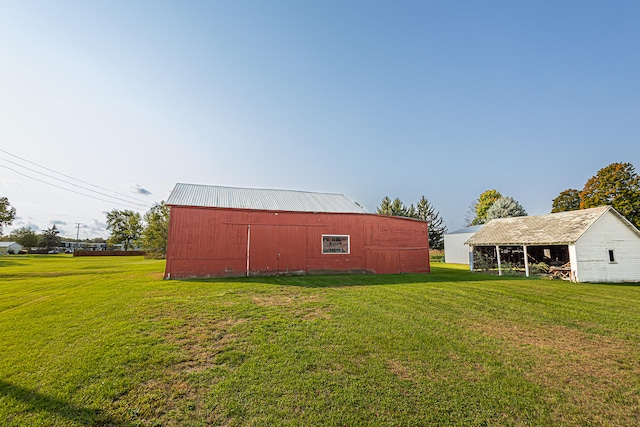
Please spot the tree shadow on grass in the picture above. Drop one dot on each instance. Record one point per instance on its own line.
(57, 407)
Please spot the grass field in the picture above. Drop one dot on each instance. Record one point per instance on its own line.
(105, 341)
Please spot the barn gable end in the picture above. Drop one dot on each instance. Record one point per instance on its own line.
(609, 251)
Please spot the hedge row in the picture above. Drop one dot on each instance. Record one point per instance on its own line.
(107, 253)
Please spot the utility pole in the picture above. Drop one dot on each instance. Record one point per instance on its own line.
(78, 234)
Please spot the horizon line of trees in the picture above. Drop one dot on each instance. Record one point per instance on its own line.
(48, 239)
(128, 228)
(616, 185)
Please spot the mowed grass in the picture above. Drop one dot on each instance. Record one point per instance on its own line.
(105, 341)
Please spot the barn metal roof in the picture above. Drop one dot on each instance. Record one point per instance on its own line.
(556, 228)
(260, 199)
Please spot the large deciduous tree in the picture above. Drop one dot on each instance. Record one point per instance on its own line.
(505, 207)
(156, 232)
(567, 200)
(7, 213)
(482, 205)
(616, 185)
(125, 227)
(25, 236)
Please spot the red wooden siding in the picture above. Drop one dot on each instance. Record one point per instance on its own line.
(212, 242)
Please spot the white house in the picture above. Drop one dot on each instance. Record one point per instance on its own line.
(456, 251)
(599, 244)
(10, 248)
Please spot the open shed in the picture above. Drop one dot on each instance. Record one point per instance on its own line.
(227, 231)
(595, 245)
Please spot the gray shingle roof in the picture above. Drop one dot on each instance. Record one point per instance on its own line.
(555, 228)
(260, 199)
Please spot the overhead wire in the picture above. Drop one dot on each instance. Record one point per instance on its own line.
(63, 188)
(69, 183)
(132, 202)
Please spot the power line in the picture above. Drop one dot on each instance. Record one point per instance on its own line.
(66, 189)
(145, 205)
(67, 176)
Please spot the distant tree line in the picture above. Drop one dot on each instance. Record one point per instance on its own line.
(128, 228)
(25, 236)
(422, 211)
(48, 239)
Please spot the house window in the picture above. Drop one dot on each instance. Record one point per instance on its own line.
(335, 244)
(612, 258)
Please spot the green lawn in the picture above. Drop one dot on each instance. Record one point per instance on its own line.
(105, 341)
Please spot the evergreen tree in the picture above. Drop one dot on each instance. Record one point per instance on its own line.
(385, 206)
(398, 208)
(505, 207)
(395, 208)
(437, 229)
(567, 200)
(411, 212)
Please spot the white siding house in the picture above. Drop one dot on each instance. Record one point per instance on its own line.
(609, 251)
(456, 251)
(599, 244)
(10, 248)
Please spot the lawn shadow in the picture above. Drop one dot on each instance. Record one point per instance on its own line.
(349, 280)
(5, 261)
(69, 411)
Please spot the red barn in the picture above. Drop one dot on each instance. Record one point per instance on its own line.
(224, 231)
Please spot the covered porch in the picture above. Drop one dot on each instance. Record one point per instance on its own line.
(522, 257)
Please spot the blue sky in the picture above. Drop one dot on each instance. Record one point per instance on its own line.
(365, 98)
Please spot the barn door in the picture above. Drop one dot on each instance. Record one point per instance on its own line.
(277, 249)
(263, 249)
(292, 249)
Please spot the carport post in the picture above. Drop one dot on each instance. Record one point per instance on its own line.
(526, 261)
(498, 256)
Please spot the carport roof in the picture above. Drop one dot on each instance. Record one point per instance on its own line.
(260, 199)
(557, 228)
